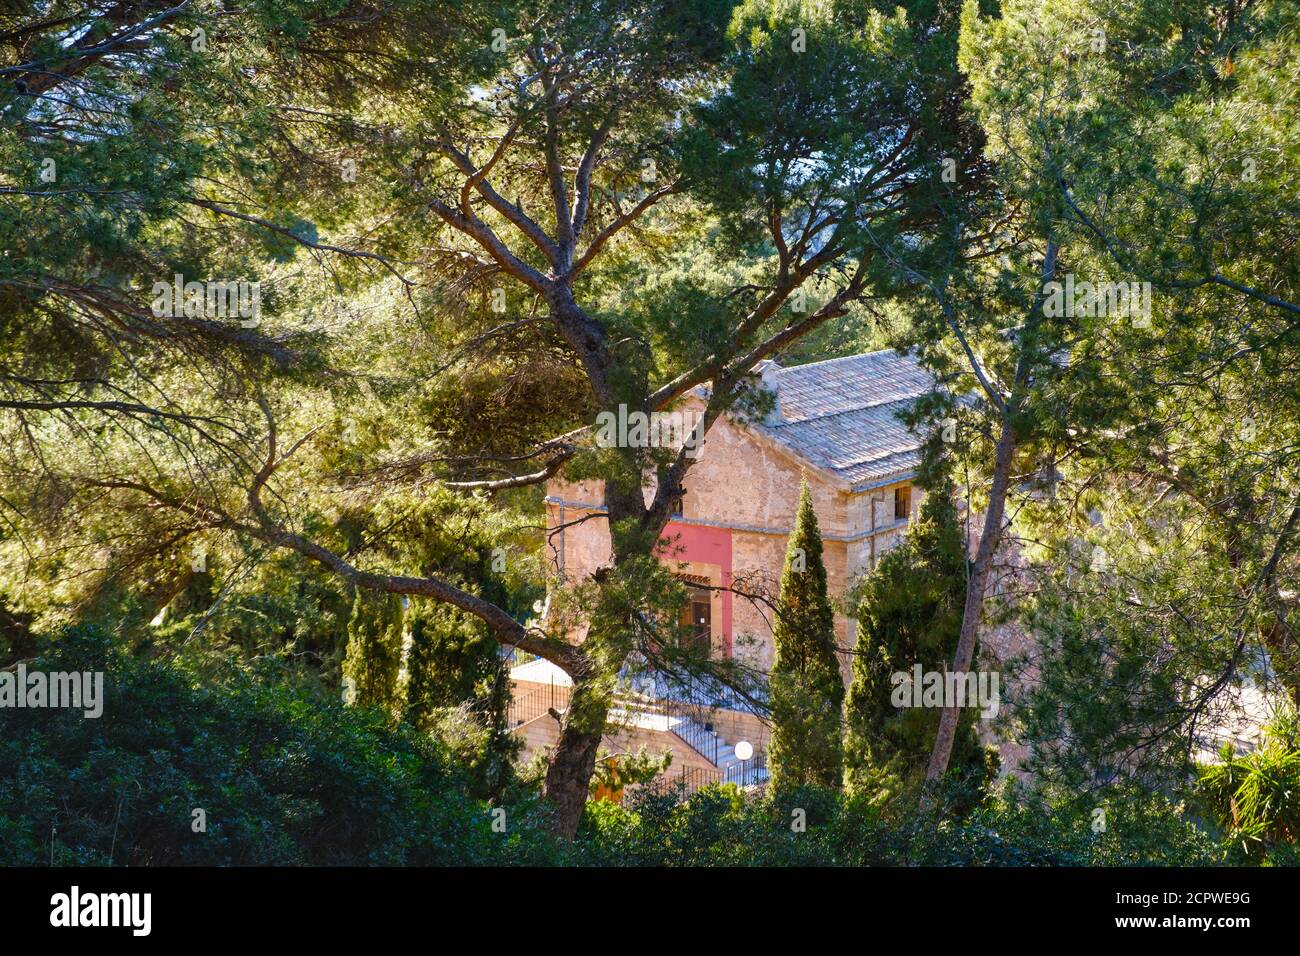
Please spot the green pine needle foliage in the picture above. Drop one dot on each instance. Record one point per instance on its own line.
(1256, 796)
(909, 611)
(807, 691)
(458, 688)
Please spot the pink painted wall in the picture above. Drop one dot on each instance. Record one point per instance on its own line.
(703, 545)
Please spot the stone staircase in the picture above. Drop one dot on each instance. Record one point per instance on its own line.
(720, 753)
(637, 719)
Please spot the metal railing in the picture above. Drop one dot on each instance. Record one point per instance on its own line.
(538, 701)
(685, 712)
(747, 773)
(693, 778)
(514, 656)
(695, 734)
(698, 737)
(704, 692)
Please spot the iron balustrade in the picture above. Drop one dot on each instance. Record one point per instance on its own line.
(538, 701)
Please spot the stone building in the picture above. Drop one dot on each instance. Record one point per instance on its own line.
(834, 422)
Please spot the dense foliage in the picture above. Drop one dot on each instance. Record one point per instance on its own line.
(285, 778)
(281, 776)
(374, 658)
(807, 690)
(720, 827)
(475, 225)
(908, 611)
(1254, 796)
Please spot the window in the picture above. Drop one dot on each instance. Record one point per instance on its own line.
(902, 503)
(697, 616)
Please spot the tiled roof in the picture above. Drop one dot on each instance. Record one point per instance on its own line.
(841, 415)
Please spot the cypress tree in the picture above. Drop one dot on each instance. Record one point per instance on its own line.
(909, 611)
(454, 669)
(807, 691)
(374, 658)
(452, 660)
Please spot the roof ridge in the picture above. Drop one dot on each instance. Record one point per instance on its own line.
(843, 411)
(843, 358)
(871, 459)
(859, 459)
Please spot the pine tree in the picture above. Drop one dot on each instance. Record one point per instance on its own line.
(909, 611)
(807, 691)
(374, 658)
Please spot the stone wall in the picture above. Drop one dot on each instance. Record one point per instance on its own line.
(744, 485)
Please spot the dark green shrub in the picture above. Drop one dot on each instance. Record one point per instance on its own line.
(283, 777)
(719, 826)
(1256, 797)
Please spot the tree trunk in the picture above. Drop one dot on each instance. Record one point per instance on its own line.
(573, 762)
(992, 534)
(569, 775)
(975, 588)
(634, 531)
